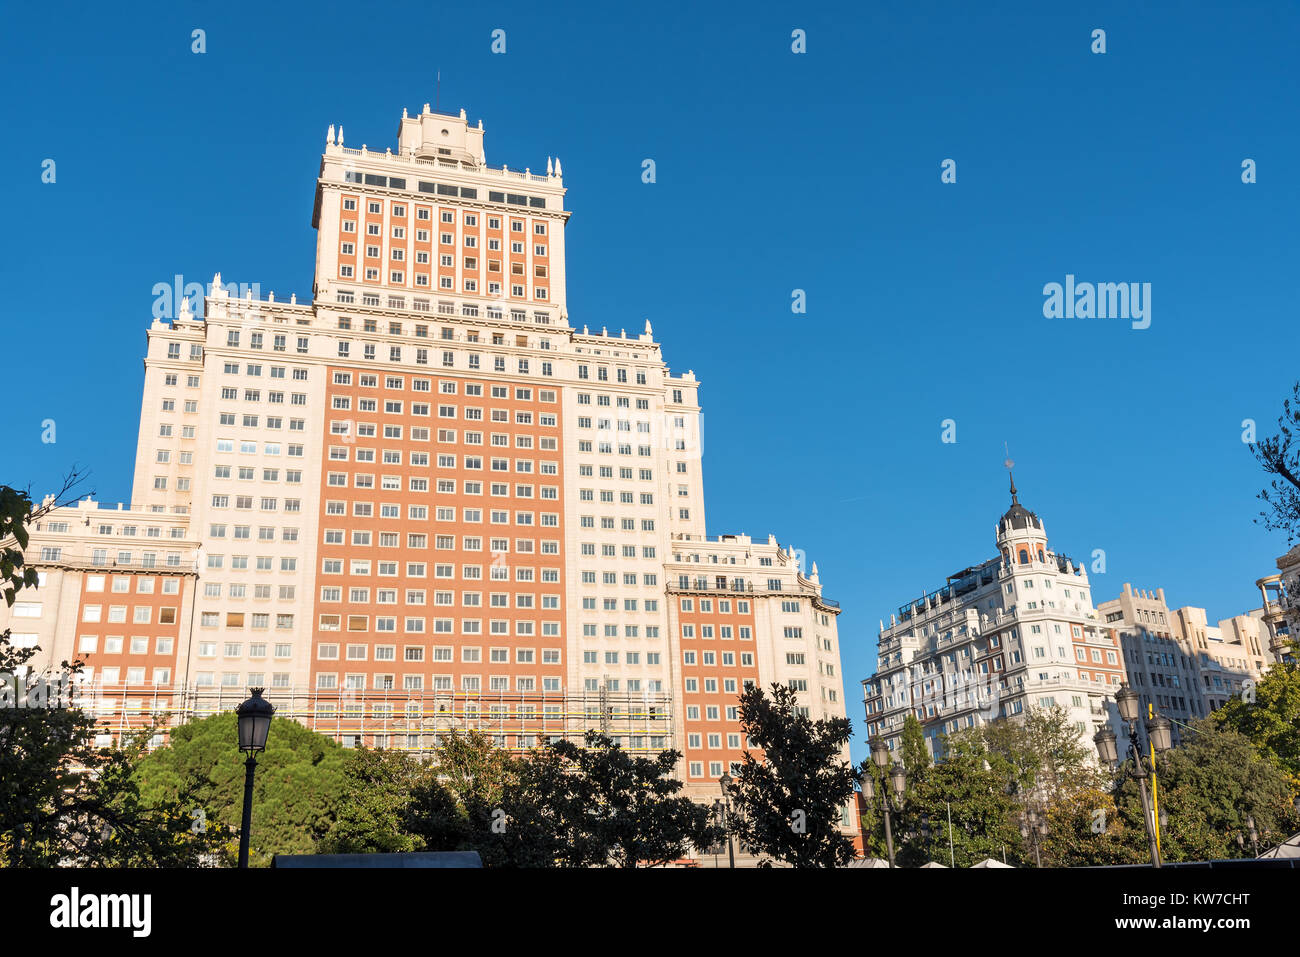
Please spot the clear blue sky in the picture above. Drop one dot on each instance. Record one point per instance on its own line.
(776, 171)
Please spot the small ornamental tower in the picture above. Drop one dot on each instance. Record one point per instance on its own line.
(1021, 537)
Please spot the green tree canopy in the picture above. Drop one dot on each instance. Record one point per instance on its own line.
(299, 782)
(373, 815)
(791, 801)
(916, 755)
(1270, 718)
(1207, 788)
(620, 808)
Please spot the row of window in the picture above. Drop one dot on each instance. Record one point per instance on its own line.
(728, 658)
(694, 741)
(326, 681)
(239, 619)
(99, 556)
(255, 340)
(343, 403)
(240, 590)
(152, 531)
(387, 624)
(444, 460)
(267, 503)
(612, 631)
(469, 310)
(135, 675)
(255, 369)
(469, 654)
(723, 631)
(120, 644)
(397, 277)
(140, 614)
(229, 393)
(144, 584)
(250, 447)
(448, 260)
(724, 605)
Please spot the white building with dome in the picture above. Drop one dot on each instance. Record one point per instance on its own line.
(1010, 633)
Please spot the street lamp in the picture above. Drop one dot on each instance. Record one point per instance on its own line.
(725, 783)
(1033, 829)
(897, 780)
(254, 720)
(1158, 730)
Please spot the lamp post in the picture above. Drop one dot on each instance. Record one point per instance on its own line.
(1033, 829)
(897, 781)
(254, 719)
(1159, 736)
(725, 783)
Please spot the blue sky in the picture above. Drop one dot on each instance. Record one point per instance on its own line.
(775, 172)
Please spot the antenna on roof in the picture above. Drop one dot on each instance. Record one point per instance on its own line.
(437, 89)
(1009, 463)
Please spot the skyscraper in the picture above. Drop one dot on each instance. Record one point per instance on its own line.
(426, 500)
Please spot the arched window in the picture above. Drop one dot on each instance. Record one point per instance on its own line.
(1041, 558)
(1024, 557)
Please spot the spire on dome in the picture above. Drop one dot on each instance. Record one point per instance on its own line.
(1010, 464)
(1017, 516)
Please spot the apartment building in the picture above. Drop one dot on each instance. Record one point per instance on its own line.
(426, 500)
(1158, 664)
(1179, 662)
(1010, 633)
(1228, 656)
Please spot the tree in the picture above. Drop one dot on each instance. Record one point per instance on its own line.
(300, 779)
(64, 801)
(375, 804)
(1207, 789)
(564, 805)
(1270, 719)
(516, 814)
(915, 753)
(789, 803)
(1279, 455)
(1086, 829)
(983, 814)
(1040, 758)
(474, 770)
(624, 809)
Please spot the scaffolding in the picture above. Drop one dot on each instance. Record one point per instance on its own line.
(397, 719)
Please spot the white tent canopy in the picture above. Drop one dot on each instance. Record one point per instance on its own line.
(1288, 848)
(989, 862)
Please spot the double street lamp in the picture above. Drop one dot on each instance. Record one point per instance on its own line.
(254, 719)
(1033, 828)
(1254, 835)
(1159, 735)
(880, 754)
(724, 812)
